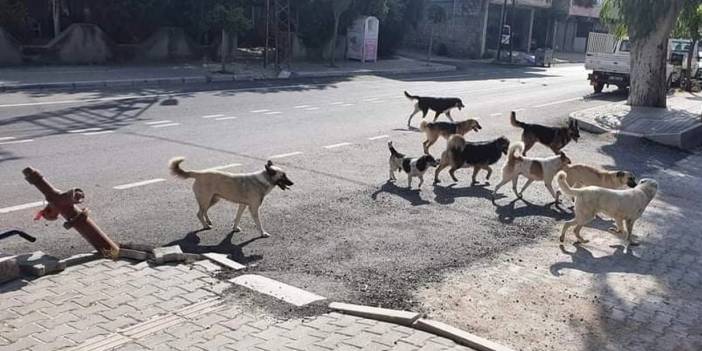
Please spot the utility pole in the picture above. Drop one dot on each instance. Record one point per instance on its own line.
(499, 30)
(511, 29)
(56, 16)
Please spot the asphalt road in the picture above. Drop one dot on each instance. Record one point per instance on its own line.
(341, 231)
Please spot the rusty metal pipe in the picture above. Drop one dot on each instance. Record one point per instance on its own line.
(76, 218)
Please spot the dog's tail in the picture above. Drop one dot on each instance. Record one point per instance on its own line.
(411, 97)
(562, 179)
(424, 126)
(394, 152)
(174, 166)
(514, 122)
(514, 153)
(456, 143)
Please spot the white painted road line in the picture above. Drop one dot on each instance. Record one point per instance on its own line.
(7, 138)
(136, 184)
(370, 99)
(84, 130)
(520, 110)
(21, 141)
(558, 102)
(281, 291)
(273, 113)
(212, 116)
(100, 133)
(301, 106)
(165, 125)
(379, 137)
(333, 146)
(496, 114)
(225, 118)
(22, 207)
(346, 105)
(259, 111)
(337, 103)
(159, 122)
(312, 108)
(377, 101)
(286, 155)
(219, 168)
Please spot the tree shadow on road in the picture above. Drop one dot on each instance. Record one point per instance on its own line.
(412, 195)
(191, 244)
(508, 213)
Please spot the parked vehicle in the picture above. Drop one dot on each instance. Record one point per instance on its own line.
(680, 49)
(608, 58)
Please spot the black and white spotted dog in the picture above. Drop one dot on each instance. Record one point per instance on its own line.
(414, 167)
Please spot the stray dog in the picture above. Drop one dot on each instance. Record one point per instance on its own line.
(438, 105)
(541, 169)
(414, 167)
(580, 175)
(479, 155)
(445, 129)
(553, 137)
(624, 205)
(245, 189)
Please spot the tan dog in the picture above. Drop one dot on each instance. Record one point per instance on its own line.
(624, 205)
(433, 130)
(541, 169)
(246, 189)
(580, 175)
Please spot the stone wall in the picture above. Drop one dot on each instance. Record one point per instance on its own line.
(80, 43)
(462, 33)
(10, 50)
(168, 43)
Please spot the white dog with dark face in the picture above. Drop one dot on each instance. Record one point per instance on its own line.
(414, 167)
(624, 205)
(245, 189)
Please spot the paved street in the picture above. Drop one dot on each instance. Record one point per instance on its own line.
(343, 232)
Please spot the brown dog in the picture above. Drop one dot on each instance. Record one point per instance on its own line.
(580, 175)
(553, 137)
(433, 130)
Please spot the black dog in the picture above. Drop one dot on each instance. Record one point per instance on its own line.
(479, 155)
(553, 137)
(438, 105)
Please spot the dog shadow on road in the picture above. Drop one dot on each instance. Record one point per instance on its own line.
(446, 195)
(508, 213)
(583, 260)
(191, 244)
(414, 196)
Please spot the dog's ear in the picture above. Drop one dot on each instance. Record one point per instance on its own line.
(563, 155)
(270, 170)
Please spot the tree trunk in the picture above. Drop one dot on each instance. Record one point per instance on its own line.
(648, 61)
(224, 47)
(56, 15)
(332, 58)
(688, 72)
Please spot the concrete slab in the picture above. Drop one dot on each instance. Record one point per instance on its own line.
(39, 264)
(168, 254)
(459, 336)
(224, 261)
(9, 269)
(281, 291)
(137, 255)
(80, 258)
(381, 314)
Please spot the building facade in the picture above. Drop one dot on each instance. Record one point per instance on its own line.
(571, 33)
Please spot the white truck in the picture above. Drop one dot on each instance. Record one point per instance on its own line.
(608, 58)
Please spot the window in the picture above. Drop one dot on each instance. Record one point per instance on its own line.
(625, 46)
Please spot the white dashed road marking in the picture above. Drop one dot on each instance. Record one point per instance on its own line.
(286, 155)
(159, 122)
(136, 184)
(100, 132)
(558, 102)
(212, 116)
(165, 125)
(337, 103)
(333, 146)
(218, 168)
(224, 118)
(312, 108)
(22, 207)
(370, 99)
(301, 106)
(7, 138)
(21, 141)
(496, 114)
(84, 130)
(346, 105)
(273, 113)
(259, 111)
(379, 137)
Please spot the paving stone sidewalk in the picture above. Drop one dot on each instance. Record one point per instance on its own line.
(120, 305)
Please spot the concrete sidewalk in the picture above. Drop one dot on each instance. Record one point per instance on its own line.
(196, 73)
(124, 305)
(679, 125)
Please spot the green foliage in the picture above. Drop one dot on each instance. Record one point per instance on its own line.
(585, 3)
(638, 18)
(689, 22)
(316, 24)
(228, 17)
(12, 14)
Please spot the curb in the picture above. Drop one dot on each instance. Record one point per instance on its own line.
(413, 320)
(216, 78)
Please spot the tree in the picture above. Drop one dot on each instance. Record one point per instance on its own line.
(338, 8)
(436, 15)
(229, 19)
(688, 26)
(648, 24)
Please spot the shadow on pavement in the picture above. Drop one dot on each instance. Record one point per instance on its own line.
(508, 213)
(448, 194)
(412, 195)
(583, 260)
(191, 244)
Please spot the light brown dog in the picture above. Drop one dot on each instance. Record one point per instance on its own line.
(580, 175)
(433, 130)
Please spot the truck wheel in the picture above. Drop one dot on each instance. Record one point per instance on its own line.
(598, 87)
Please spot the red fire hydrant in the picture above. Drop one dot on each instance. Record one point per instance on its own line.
(65, 204)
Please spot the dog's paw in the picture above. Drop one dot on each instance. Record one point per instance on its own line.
(236, 229)
(582, 241)
(265, 234)
(207, 227)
